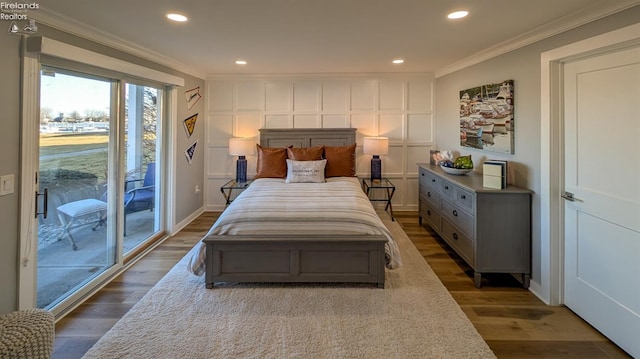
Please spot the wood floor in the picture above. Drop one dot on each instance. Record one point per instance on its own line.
(511, 320)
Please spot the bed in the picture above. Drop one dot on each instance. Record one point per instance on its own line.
(277, 231)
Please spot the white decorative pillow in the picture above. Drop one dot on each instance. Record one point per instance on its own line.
(305, 171)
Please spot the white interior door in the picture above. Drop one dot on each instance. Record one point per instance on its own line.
(602, 172)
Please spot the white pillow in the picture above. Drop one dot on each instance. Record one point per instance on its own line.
(305, 171)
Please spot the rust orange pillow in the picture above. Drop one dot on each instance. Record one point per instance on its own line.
(341, 161)
(305, 153)
(272, 162)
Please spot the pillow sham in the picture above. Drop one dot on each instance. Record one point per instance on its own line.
(341, 161)
(271, 162)
(305, 153)
(305, 171)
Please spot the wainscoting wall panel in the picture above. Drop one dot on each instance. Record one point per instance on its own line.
(398, 106)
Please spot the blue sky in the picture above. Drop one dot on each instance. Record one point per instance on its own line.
(64, 93)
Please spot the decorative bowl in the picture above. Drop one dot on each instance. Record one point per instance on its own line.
(456, 171)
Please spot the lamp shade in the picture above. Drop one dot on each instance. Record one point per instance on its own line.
(376, 145)
(240, 146)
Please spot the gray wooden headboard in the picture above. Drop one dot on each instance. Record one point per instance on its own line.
(307, 137)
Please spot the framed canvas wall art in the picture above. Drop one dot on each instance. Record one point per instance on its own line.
(486, 117)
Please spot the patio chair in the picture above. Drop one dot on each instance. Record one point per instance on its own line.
(140, 198)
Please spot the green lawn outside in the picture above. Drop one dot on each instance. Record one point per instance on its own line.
(75, 152)
(87, 153)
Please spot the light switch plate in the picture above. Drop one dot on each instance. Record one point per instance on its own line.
(6, 184)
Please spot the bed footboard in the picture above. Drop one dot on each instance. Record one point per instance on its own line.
(294, 259)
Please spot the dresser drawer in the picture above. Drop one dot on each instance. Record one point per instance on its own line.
(459, 241)
(457, 216)
(429, 180)
(447, 189)
(431, 196)
(430, 214)
(465, 198)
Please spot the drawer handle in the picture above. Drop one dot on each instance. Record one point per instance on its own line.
(455, 213)
(428, 212)
(455, 236)
(433, 180)
(422, 174)
(463, 197)
(429, 194)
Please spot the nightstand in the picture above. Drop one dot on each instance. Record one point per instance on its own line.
(227, 189)
(387, 187)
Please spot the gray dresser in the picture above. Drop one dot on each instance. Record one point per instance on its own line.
(490, 229)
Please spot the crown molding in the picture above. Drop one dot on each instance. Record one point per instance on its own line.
(84, 31)
(324, 75)
(545, 31)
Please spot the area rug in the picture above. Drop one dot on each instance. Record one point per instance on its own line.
(414, 316)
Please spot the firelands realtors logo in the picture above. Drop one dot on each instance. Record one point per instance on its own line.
(16, 13)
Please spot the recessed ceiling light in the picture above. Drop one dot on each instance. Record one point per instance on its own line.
(458, 14)
(398, 61)
(176, 17)
(241, 62)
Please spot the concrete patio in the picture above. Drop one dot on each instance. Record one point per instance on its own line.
(61, 269)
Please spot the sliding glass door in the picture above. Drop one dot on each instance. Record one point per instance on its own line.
(99, 179)
(76, 237)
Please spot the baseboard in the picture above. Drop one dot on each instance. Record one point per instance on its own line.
(536, 289)
(179, 226)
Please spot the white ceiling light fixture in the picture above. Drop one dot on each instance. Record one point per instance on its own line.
(398, 61)
(241, 62)
(176, 17)
(458, 14)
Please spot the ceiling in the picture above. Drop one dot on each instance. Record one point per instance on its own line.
(318, 36)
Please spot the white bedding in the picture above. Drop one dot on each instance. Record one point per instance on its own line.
(271, 206)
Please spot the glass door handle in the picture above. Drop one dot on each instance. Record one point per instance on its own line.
(45, 203)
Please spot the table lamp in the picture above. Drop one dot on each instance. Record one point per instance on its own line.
(376, 146)
(241, 147)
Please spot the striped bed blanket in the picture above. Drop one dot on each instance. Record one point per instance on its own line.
(271, 206)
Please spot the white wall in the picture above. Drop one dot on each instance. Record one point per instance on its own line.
(399, 106)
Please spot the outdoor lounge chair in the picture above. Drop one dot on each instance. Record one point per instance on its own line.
(140, 198)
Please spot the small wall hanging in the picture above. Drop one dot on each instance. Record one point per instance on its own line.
(192, 96)
(191, 151)
(190, 124)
